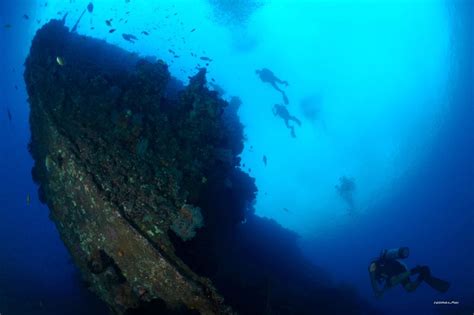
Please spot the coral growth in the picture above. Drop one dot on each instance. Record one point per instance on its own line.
(187, 220)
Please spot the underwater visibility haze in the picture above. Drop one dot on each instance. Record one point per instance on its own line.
(236, 157)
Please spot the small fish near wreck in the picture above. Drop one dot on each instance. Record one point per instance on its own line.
(206, 58)
(9, 115)
(60, 61)
(129, 38)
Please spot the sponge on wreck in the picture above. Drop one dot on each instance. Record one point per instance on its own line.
(187, 221)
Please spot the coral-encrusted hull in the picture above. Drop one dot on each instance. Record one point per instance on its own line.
(121, 166)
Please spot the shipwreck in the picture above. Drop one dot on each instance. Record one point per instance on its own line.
(141, 175)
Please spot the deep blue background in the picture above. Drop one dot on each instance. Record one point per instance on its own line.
(431, 210)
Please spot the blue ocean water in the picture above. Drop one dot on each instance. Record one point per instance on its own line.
(384, 93)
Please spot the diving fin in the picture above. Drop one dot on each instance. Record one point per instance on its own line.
(437, 284)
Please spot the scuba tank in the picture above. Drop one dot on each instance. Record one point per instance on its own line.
(395, 253)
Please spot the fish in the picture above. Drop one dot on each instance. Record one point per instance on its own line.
(108, 22)
(28, 199)
(265, 160)
(205, 58)
(193, 30)
(286, 210)
(112, 30)
(90, 7)
(26, 17)
(145, 33)
(7, 26)
(9, 114)
(204, 180)
(129, 38)
(60, 61)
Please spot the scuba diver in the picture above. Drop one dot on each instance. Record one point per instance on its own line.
(280, 110)
(267, 75)
(388, 271)
(346, 190)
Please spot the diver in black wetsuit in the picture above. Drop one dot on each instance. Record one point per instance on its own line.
(389, 271)
(267, 76)
(281, 111)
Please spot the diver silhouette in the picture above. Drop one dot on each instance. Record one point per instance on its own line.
(389, 271)
(281, 111)
(346, 189)
(267, 76)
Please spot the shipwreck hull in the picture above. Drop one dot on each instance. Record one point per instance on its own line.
(122, 166)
